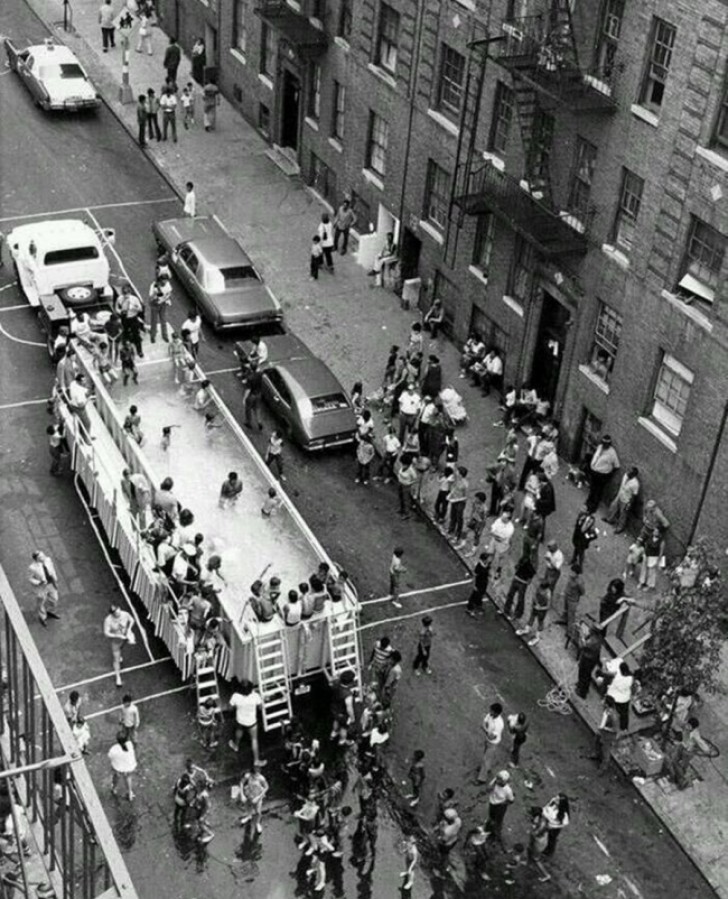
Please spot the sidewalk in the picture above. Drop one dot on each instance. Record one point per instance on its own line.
(274, 217)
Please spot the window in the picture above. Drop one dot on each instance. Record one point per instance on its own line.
(240, 30)
(502, 118)
(630, 199)
(492, 335)
(483, 246)
(387, 38)
(279, 386)
(523, 266)
(452, 80)
(606, 342)
(72, 254)
(313, 109)
(322, 178)
(364, 220)
(608, 38)
(437, 194)
(581, 181)
(345, 16)
(266, 51)
(539, 153)
(703, 261)
(446, 291)
(264, 119)
(377, 142)
(317, 9)
(720, 135)
(658, 64)
(672, 392)
(337, 118)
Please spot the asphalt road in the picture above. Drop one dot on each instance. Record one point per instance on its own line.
(52, 164)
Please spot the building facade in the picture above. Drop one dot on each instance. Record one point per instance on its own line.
(556, 176)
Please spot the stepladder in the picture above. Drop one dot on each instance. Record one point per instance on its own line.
(207, 690)
(274, 683)
(344, 653)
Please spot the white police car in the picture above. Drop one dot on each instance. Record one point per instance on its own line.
(54, 77)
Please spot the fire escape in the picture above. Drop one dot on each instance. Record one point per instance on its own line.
(540, 54)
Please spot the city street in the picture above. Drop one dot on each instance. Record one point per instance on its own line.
(89, 168)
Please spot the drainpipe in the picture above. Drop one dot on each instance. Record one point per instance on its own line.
(411, 95)
(709, 473)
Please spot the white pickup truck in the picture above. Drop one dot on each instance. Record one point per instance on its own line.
(62, 258)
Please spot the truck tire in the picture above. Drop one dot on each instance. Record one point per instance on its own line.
(77, 295)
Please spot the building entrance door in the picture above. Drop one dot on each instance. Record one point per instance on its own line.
(549, 350)
(410, 254)
(290, 110)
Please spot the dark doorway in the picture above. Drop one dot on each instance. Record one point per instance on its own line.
(549, 349)
(410, 254)
(290, 108)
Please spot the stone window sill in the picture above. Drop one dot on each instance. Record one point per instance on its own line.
(693, 314)
(513, 304)
(239, 55)
(495, 160)
(373, 178)
(645, 115)
(595, 379)
(383, 75)
(479, 274)
(432, 231)
(717, 159)
(312, 123)
(265, 80)
(336, 145)
(617, 256)
(443, 122)
(658, 433)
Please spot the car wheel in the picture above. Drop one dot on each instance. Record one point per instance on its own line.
(78, 295)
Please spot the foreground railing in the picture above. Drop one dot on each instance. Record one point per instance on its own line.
(48, 777)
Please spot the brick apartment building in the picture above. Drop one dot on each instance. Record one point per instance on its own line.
(562, 188)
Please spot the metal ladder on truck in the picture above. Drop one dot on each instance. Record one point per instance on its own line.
(206, 684)
(344, 646)
(273, 679)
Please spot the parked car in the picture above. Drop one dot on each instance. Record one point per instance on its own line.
(55, 78)
(304, 394)
(217, 273)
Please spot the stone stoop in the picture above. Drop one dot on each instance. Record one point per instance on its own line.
(285, 159)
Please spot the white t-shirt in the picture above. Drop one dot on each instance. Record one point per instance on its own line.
(190, 203)
(246, 708)
(193, 326)
(123, 760)
(493, 728)
(502, 532)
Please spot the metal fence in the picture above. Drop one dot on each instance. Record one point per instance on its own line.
(48, 783)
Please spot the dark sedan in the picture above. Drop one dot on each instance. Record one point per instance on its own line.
(303, 393)
(217, 273)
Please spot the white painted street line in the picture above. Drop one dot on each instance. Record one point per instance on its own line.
(24, 403)
(42, 215)
(633, 887)
(14, 308)
(449, 605)
(371, 602)
(601, 846)
(98, 677)
(550, 772)
(115, 708)
(20, 340)
(222, 371)
(153, 361)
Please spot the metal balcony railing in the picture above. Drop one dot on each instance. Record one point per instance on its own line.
(544, 57)
(552, 232)
(47, 776)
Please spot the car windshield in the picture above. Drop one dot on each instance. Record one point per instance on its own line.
(65, 70)
(72, 254)
(330, 402)
(238, 275)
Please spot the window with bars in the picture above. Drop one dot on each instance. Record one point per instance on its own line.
(720, 134)
(630, 200)
(363, 210)
(345, 18)
(264, 119)
(313, 108)
(377, 142)
(672, 393)
(607, 332)
(502, 118)
(452, 80)
(322, 178)
(387, 38)
(522, 271)
(338, 111)
(483, 245)
(582, 177)
(240, 26)
(267, 51)
(437, 194)
(492, 335)
(539, 154)
(446, 291)
(662, 42)
(608, 40)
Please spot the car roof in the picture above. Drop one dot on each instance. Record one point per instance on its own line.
(311, 376)
(57, 234)
(57, 53)
(220, 251)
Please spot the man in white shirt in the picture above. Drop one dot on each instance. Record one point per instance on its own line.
(193, 326)
(118, 630)
(493, 725)
(553, 563)
(246, 704)
(603, 464)
(620, 688)
(168, 105)
(410, 404)
(624, 500)
(160, 299)
(78, 397)
(190, 200)
(501, 532)
(42, 575)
